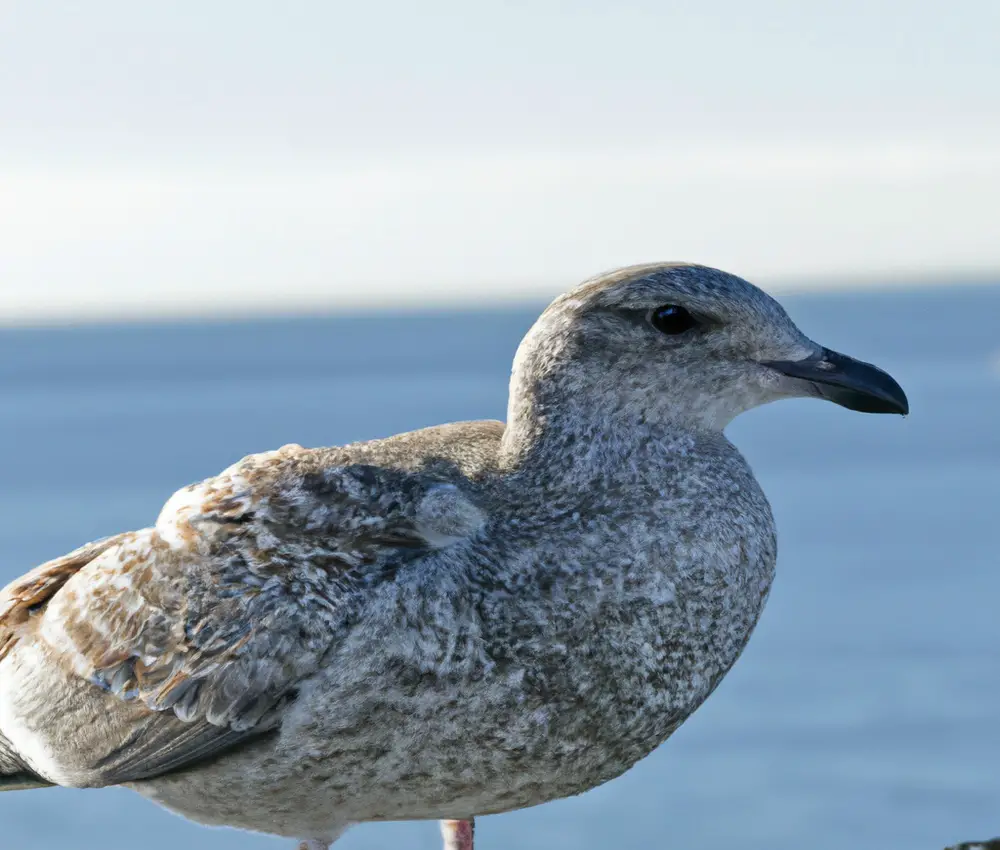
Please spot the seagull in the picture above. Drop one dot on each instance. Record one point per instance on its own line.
(462, 620)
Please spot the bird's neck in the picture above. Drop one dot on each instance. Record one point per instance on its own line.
(577, 434)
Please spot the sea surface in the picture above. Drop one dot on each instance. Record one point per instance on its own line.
(865, 712)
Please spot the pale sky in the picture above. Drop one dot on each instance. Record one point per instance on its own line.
(227, 156)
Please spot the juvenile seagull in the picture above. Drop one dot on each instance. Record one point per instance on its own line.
(452, 622)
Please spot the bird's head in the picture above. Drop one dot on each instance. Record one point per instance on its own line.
(682, 343)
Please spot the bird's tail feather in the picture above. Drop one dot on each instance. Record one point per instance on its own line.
(15, 775)
(23, 782)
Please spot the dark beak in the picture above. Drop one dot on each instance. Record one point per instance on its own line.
(848, 382)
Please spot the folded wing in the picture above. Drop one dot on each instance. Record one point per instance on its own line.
(192, 636)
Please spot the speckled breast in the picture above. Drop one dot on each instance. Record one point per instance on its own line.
(587, 659)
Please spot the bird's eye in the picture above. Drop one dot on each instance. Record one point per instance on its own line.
(671, 319)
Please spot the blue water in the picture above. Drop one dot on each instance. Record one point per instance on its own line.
(864, 713)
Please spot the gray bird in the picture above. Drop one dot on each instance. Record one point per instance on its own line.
(457, 621)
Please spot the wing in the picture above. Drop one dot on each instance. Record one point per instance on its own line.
(210, 620)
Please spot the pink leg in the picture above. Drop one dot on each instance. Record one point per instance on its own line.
(458, 834)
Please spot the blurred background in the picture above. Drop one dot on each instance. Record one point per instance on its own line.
(229, 226)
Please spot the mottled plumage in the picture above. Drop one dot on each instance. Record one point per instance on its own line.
(462, 620)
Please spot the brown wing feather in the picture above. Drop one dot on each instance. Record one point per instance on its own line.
(31, 592)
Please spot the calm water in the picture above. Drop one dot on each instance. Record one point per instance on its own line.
(864, 712)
